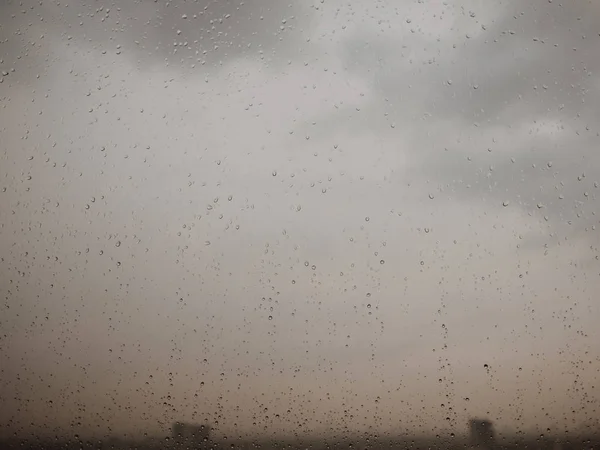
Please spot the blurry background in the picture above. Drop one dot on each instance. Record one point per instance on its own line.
(304, 217)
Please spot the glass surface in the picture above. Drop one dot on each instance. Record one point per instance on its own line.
(308, 222)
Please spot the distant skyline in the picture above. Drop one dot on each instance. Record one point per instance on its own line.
(292, 217)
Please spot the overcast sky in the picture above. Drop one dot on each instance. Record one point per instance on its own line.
(315, 217)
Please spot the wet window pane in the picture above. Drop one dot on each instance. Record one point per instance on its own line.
(300, 224)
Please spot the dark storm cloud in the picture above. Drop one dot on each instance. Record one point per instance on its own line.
(181, 34)
(496, 111)
(206, 32)
(529, 49)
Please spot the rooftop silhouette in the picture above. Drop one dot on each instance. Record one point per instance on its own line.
(184, 435)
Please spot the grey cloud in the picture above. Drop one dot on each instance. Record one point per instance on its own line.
(528, 67)
(184, 35)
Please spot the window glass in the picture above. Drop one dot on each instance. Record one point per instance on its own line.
(317, 223)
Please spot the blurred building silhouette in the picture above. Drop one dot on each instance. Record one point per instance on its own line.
(482, 433)
(191, 435)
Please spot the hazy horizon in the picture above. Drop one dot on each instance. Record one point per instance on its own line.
(299, 217)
